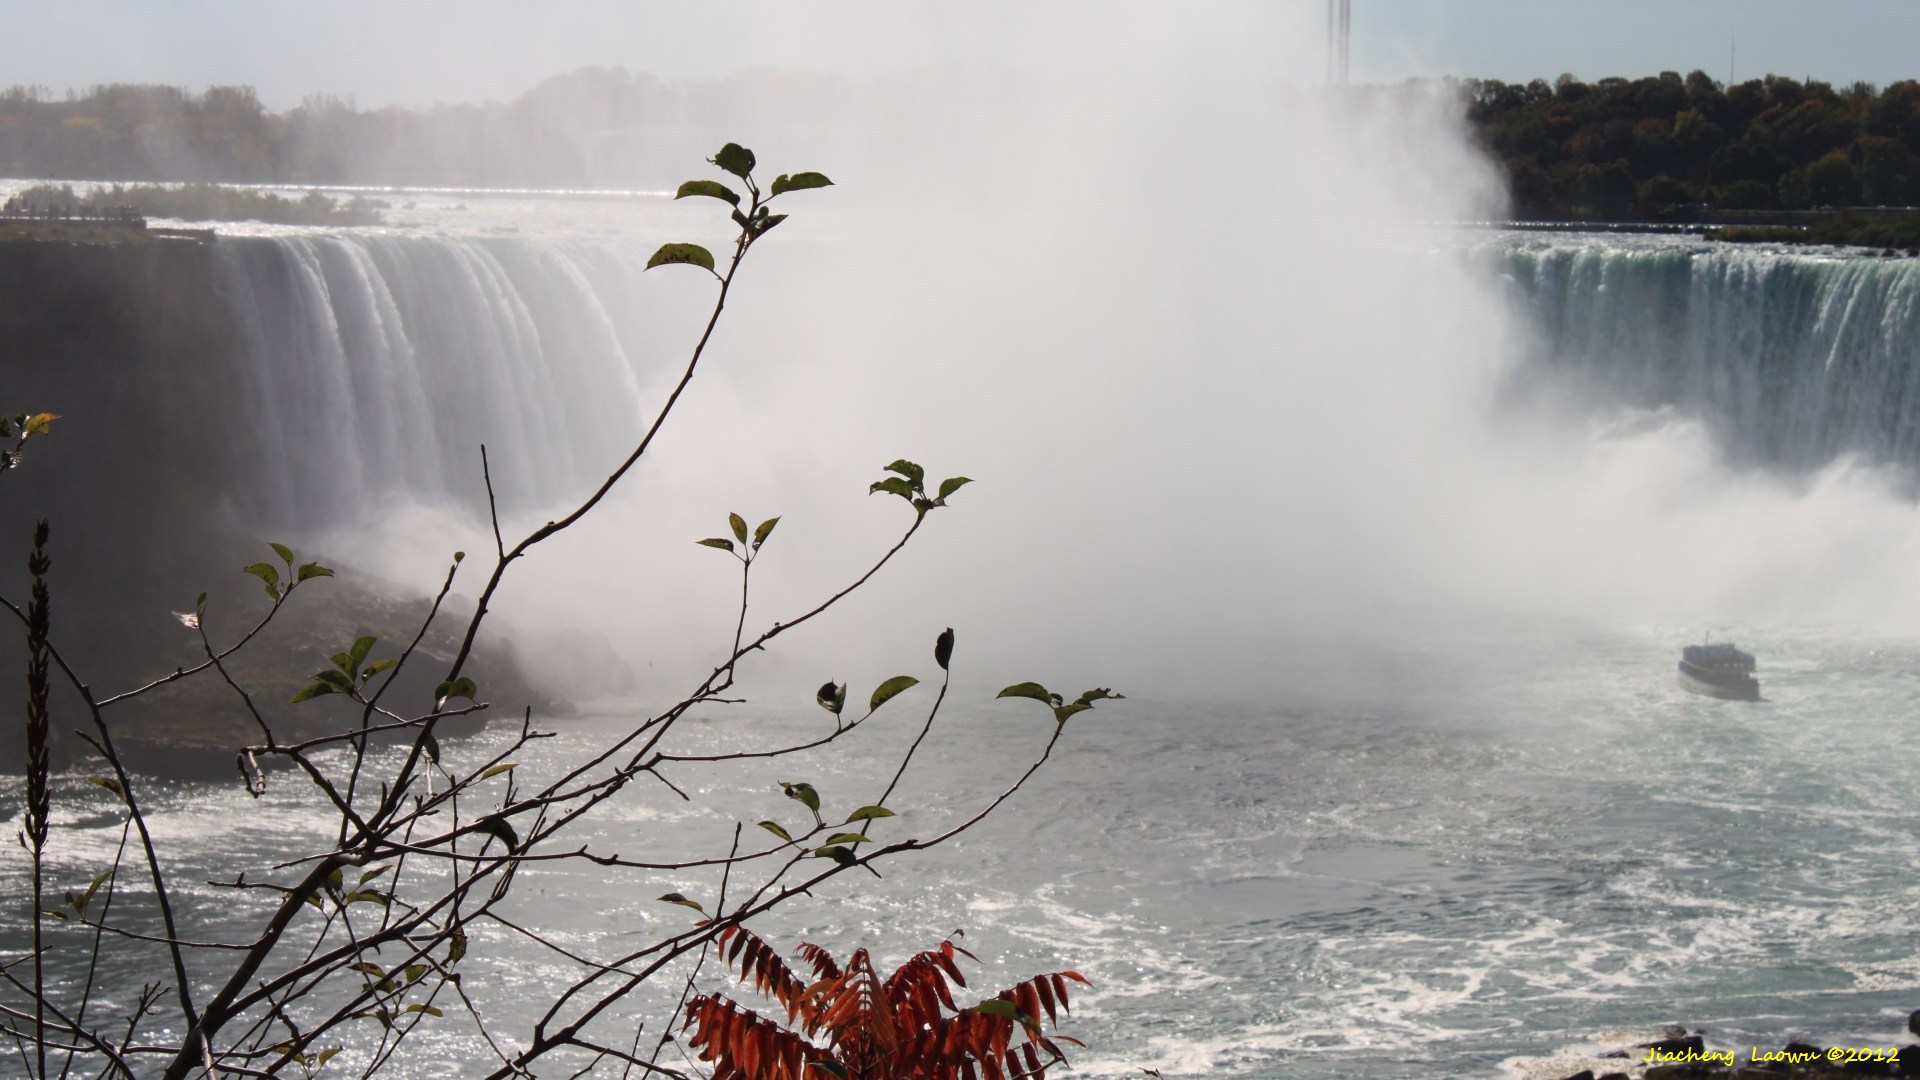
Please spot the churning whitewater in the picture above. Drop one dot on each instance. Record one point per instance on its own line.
(1472, 841)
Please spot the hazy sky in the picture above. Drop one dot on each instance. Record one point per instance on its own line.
(417, 53)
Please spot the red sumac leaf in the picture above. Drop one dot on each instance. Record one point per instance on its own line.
(1045, 987)
(1028, 999)
(952, 969)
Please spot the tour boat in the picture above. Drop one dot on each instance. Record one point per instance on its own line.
(1719, 670)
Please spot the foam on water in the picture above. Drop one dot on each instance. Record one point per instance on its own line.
(1246, 907)
(1473, 842)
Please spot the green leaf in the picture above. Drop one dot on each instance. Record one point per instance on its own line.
(676, 898)
(739, 527)
(309, 692)
(843, 856)
(802, 793)
(267, 574)
(848, 838)
(416, 972)
(765, 530)
(498, 827)
(717, 542)
(893, 485)
(799, 182)
(94, 887)
(672, 254)
(461, 687)
(712, 189)
(313, 570)
(366, 968)
(38, 423)
(1028, 690)
(456, 945)
(107, 782)
(832, 697)
(326, 1055)
(430, 1010)
(943, 648)
(886, 690)
(432, 746)
(341, 660)
(1061, 712)
(505, 766)
(358, 654)
(734, 158)
(1100, 693)
(285, 553)
(768, 222)
(379, 666)
(368, 897)
(914, 473)
(997, 1007)
(336, 679)
(868, 813)
(774, 828)
(952, 484)
(369, 875)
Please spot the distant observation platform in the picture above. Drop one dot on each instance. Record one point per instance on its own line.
(21, 220)
(17, 209)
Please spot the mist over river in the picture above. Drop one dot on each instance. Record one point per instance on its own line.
(1392, 544)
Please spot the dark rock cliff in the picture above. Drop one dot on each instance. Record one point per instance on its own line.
(128, 340)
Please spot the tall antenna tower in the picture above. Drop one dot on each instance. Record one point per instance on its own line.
(1339, 39)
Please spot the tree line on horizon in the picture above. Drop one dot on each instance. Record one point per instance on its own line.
(594, 126)
(1668, 148)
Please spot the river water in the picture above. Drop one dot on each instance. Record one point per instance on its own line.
(1476, 839)
(1503, 846)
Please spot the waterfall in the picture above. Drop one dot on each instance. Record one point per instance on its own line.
(376, 365)
(1793, 359)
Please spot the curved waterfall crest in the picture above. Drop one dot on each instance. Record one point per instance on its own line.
(376, 364)
(1794, 359)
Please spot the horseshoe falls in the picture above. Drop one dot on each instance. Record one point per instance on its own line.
(1392, 544)
(376, 366)
(1793, 359)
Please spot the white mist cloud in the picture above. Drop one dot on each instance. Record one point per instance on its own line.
(1219, 382)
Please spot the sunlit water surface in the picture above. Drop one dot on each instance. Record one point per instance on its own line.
(1492, 847)
(1467, 846)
